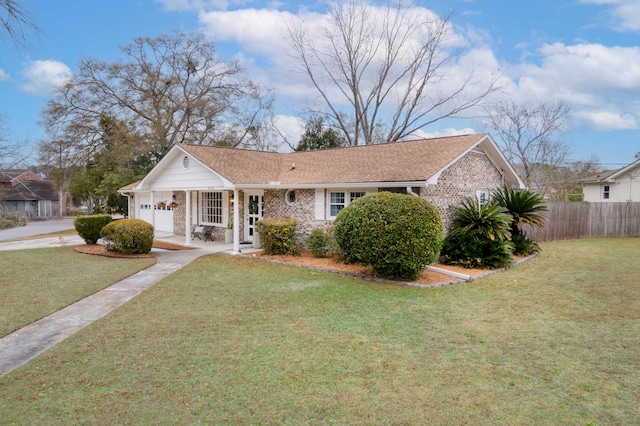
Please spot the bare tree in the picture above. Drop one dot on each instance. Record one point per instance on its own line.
(12, 154)
(528, 135)
(384, 73)
(167, 90)
(17, 23)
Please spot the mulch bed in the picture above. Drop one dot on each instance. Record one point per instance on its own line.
(306, 258)
(100, 250)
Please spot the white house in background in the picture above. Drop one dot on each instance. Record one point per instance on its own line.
(613, 186)
(209, 186)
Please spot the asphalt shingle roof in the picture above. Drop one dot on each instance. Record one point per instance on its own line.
(409, 161)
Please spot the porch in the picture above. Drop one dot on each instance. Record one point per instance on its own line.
(215, 246)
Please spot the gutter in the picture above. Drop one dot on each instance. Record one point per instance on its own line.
(410, 192)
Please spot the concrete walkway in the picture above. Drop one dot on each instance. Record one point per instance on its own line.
(25, 344)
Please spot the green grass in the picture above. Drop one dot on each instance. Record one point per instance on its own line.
(35, 283)
(230, 340)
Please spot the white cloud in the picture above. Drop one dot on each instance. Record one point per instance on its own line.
(606, 120)
(600, 83)
(258, 31)
(626, 13)
(450, 131)
(42, 76)
(3, 75)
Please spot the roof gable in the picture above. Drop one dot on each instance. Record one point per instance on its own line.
(613, 175)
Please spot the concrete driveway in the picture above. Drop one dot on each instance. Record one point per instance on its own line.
(37, 227)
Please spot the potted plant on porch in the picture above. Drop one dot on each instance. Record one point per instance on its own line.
(228, 233)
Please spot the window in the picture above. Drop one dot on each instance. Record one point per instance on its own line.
(338, 200)
(482, 196)
(336, 203)
(290, 197)
(605, 192)
(355, 195)
(211, 208)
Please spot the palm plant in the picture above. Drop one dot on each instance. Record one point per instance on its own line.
(523, 206)
(479, 236)
(490, 219)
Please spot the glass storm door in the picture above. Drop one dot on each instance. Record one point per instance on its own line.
(254, 211)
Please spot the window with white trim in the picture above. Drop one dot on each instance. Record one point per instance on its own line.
(211, 208)
(606, 192)
(482, 196)
(338, 200)
(290, 197)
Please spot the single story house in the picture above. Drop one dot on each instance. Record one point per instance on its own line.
(25, 193)
(204, 185)
(618, 185)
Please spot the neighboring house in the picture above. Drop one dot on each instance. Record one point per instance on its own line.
(25, 193)
(202, 185)
(613, 186)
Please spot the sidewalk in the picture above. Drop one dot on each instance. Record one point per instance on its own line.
(25, 344)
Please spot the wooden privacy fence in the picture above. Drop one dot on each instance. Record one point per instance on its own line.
(567, 221)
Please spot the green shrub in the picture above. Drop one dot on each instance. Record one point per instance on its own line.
(129, 236)
(473, 249)
(395, 233)
(523, 206)
(278, 235)
(12, 222)
(322, 243)
(479, 236)
(89, 227)
(524, 246)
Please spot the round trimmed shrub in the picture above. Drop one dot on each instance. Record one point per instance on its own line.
(322, 243)
(89, 227)
(395, 233)
(278, 235)
(129, 236)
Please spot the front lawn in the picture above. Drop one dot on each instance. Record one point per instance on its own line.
(37, 282)
(233, 340)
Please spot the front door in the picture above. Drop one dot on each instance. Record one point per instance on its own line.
(253, 212)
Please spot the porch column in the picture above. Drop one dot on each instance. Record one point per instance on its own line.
(236, 221)
(187, 219)
(153, 211)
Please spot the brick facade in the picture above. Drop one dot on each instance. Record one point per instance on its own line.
(302, 210)
(471, 173)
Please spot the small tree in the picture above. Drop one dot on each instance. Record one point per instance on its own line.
(397, 234)
(317, 136)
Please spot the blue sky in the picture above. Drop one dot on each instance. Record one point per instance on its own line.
(586, 52)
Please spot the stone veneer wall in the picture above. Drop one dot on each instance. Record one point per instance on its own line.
(303, 210)
(471, 173)
(180, 212)
(132, 206)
